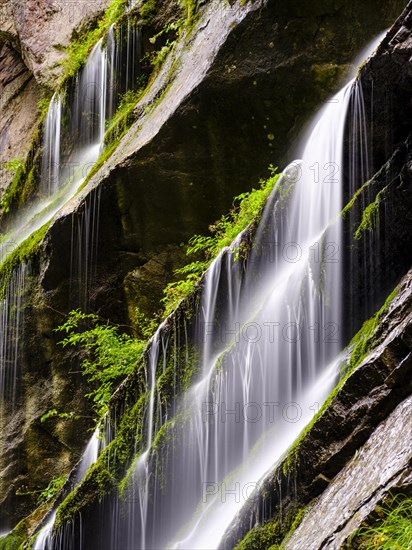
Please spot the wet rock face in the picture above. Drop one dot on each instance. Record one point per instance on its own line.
(274, 69)
(32, 452)
(377, 257)
(387, 86)
(381, 466)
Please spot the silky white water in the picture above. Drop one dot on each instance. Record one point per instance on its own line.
(270, 343)
(50, 172)
(11, 335)
(84, 252)
(70, 150)
(62, 175)
(44, 540)
(269, 351)
(288, 338)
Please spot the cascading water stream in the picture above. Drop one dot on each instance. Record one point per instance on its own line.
(71, 149)
(11, 332)
(265, 367)
(274, 377)
(44, 540)
(50, 171)
(63, 174)
(84, 251)
(269, 358)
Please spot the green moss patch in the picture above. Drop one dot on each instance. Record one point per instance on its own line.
(370, 217)
(24, 253)
(272, 533)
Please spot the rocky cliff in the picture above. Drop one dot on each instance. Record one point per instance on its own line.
(229, 99)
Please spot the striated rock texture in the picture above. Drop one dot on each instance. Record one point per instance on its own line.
(19, 94)
(383, 465)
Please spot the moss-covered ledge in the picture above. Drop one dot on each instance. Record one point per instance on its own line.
(363, 398)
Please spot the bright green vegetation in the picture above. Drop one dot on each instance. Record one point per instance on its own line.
(110, 355)
(54, 413)
(393, 531)
(25, 176)
(190, 10)
(171, 32)
(81, 45)
(43, 106)
(13, 165)
(105, 475)
(148, 11)
(16, 539)
(363, 341)
(124, 116)
(44, 495)
(272, 533)
(261, 537)
(113, 470)
(355, 197)
(51, 490)
(21, 255)
(248, 207)
(370, 217)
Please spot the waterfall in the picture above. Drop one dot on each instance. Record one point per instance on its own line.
(50, 171)
(11, 334)
(272, 362)
(115, 72)
(269, 336)
(88, 113)
(44, 539)
(64, 172)
(73, 138)
(84, 250)
(270, 342)
(124, 51)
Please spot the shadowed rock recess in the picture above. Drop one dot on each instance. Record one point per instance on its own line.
(230, 98)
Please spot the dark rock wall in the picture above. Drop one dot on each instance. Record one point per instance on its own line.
(381, 254)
